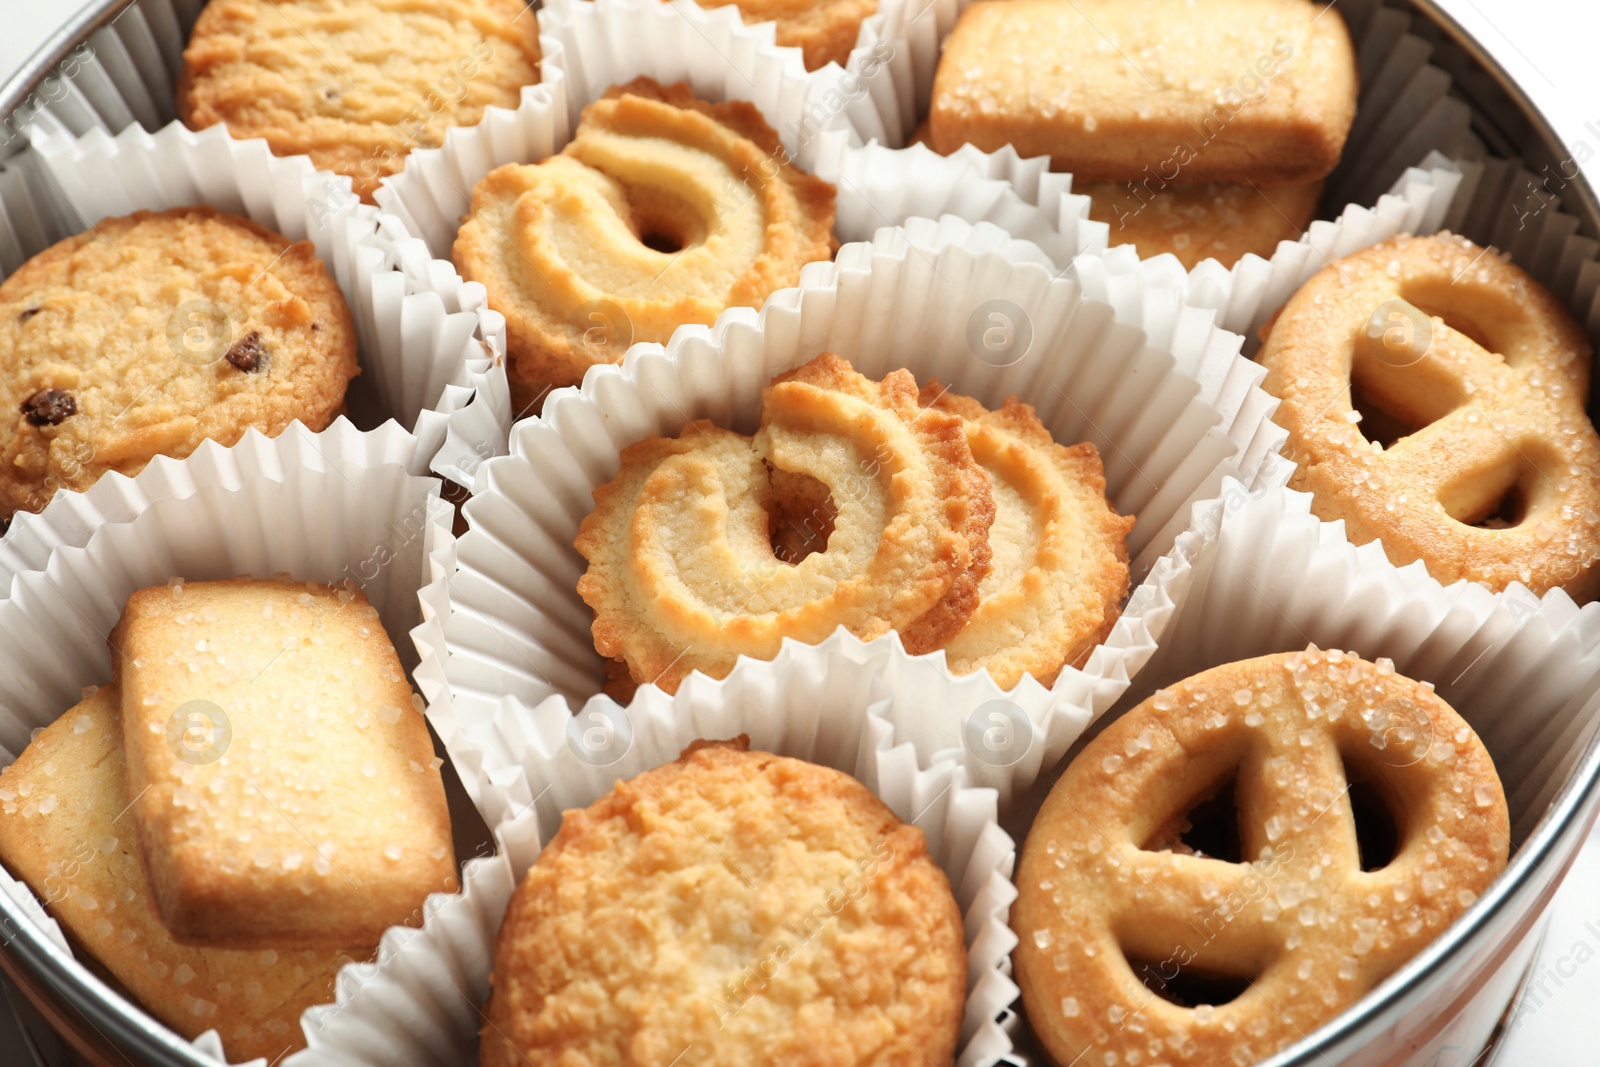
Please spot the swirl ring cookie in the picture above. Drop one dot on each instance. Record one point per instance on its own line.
(1495, 475)
(355, 84)
(1059, 566)
(662, 211)
(759, 909)
(1115, 912)
(152, 333)
(682, 572)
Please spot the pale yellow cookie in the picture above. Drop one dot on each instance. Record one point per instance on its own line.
(283, 785)
(65, 831)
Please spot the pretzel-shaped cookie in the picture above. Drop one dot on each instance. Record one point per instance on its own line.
(1114, 912)
(1495, 380)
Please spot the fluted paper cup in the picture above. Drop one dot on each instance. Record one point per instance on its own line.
(1524, 672)
(1172, 419)
(335, 508)
(421, 1001)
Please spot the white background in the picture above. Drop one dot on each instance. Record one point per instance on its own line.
(1549, 47)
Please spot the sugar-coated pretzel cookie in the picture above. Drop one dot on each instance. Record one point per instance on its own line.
(663, 210)
(824, 30)
(682, 572)
(1118, 916)
(755, 908)
(1497, 475)
(1059, 552)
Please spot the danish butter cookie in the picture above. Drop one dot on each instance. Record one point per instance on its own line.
(663, 210)
(152, 333)
(1058, 550)
(825, 30)
(755, 908)
(1131, 938)
(355, 84)
(683, 575)
(63, 831)
(1435, 398)
(283, 784)
(1193, 90)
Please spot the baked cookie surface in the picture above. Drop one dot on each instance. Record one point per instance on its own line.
(1191, 91)
(1120, 918)
(154, 332)
(63, 832)
(825, 30)
(1058, 551)
(758, 908)
(283, 785)
(1199, 222)
(683, 574)
(355, 84)
(1435, 396)
(662, 211)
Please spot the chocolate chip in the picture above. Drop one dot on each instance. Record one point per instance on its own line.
(27, 314)
(248, 353)
(49, 407)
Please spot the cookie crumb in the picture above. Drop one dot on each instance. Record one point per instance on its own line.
(49, 407)
(248, 353)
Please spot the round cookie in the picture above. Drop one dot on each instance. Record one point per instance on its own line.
(756, 908)
(662, 211)
(683, 574)
(1058, 550)
(1142, 936)
(1434, 396)
(355, 84)
(154, 332)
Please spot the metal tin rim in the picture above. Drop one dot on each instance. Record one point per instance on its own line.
(1570, 814)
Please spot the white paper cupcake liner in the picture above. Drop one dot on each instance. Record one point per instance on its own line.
(429, 345)
(420, 1002)
(329, 507)
(591, 46)
(1172, 422)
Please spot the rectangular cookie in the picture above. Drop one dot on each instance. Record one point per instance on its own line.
(64, 832)
(1199, 222)
(283, 784)
(1185, 91)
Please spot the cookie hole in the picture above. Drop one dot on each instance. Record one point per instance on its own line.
(1209, 828)
(1378, 424)
(803, 516)
(1377, 834)
(657, 241)
(1189, 986)
(1509, 513)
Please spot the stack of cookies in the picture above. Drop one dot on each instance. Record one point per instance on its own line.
(246, 807)
(1202, 128)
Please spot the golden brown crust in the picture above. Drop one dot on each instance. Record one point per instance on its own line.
(757, 908)
(1109, 913)
(1263, 91)
(317, 818)
(682, 575)
(1200, 222)
(560, 244)
(824, 30)
(355, 84)
(165, 329)
(60, 833)
(1489, 399)
(1060, 551)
